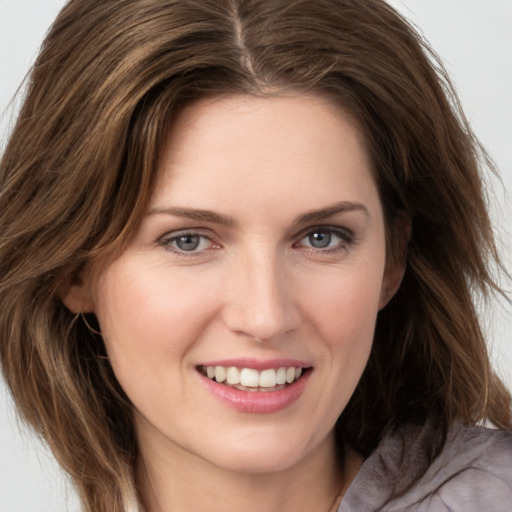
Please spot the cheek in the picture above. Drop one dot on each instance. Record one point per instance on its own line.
(343, 312)
(149, 315)
(344, 304)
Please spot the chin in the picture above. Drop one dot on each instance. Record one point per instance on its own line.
(257, 462)
(269, 454)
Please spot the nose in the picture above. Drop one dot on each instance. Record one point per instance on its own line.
(260, 301)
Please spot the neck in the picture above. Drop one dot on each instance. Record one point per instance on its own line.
(183, 482)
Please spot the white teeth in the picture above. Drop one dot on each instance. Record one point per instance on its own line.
(281, 376)
(268, 378)
(233, 375)
(251, 378)
(220, 373)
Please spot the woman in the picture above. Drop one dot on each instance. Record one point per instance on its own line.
(240, 242)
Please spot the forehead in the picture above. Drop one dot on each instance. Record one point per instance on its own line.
(273, 147)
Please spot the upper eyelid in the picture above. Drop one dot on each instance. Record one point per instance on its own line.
(204, 232)
(334, 229)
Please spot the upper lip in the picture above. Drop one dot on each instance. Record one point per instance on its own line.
(258, 364)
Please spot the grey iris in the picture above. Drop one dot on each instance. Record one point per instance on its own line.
(320, 239)
(188, 242)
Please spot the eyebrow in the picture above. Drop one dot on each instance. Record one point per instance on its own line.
(195, 214)
(331, 211)
(224, 220)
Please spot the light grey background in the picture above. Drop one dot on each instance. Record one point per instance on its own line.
(475, 42)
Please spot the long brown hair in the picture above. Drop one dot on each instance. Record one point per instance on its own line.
(81, 163)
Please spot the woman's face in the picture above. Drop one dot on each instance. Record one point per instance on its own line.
(262, 256)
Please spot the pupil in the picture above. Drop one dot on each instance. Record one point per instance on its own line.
(188, 242)
(320, 239)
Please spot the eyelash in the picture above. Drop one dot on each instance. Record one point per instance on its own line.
(345, 236)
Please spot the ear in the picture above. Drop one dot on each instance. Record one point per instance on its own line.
(76, 296)
(400, 233)
(393, 276)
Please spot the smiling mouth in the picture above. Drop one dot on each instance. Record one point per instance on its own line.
(249, 379)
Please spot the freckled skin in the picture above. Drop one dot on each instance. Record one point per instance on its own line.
(255, 287)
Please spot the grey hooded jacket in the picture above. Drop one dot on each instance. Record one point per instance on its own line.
(473, 473)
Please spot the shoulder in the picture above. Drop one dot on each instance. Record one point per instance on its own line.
(473, 473)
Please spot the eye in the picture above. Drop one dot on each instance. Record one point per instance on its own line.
(186, 242)
(326, 238)
(320, 239)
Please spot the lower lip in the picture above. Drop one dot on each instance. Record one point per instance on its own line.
(258, 401)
